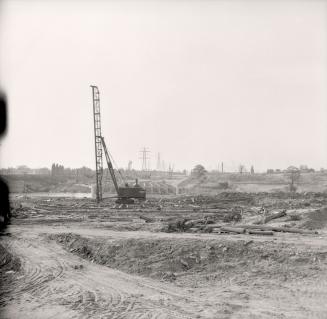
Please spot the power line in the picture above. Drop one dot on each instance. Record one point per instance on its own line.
(144, 158)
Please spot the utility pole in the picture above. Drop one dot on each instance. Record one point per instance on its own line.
(97, 142)
(144, 158)
(158, 162)
(170, 171)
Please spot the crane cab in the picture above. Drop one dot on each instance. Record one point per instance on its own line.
(129, 193)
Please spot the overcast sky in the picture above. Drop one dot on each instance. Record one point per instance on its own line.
(198, 81)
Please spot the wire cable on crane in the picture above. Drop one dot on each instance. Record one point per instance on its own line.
(116, 166)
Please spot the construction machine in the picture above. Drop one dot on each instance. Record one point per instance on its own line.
(125, 194)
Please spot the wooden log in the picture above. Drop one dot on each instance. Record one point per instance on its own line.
(280, 229)
(295, 230)
(274, 216)
(233, 230)
(268, 218)
(261, 232)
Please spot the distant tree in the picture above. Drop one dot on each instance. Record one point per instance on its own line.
(199, 171)
(53, 168)
(241, 169)
(293, 175)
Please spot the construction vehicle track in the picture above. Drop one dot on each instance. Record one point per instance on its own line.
(49, 283)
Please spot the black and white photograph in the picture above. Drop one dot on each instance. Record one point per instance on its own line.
(163, 159)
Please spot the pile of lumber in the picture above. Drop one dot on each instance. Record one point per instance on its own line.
(259, 230)
(248, 229)
(209, 225)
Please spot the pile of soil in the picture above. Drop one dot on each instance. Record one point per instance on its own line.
(316, 219)
(181, 260)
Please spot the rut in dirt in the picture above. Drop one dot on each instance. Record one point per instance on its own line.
(51, 277)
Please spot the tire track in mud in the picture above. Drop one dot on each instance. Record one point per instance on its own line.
(48, 277)
(117, 304)
(32, 281)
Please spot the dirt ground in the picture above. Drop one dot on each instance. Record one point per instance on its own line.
(71, 258)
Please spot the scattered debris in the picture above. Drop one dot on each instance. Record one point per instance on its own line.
(147, 219)
(169, 275)
(78, 266)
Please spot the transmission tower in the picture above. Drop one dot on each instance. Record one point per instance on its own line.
(144, 158)
(97, 142)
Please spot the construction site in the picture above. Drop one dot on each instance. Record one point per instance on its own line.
(204, 245)
(163, 159)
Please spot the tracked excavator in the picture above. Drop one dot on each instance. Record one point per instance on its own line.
(125, 194)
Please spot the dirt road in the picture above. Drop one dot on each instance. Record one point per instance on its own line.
(50, 286)
(54, 283)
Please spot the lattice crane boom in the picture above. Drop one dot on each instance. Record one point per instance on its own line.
(98, 141)
(125, 194)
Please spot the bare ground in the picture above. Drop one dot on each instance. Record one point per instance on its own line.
(64, 265)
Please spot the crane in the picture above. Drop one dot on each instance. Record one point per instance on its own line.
(125, 194)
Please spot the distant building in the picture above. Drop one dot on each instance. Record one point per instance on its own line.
(23, 169)
(41, 171)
